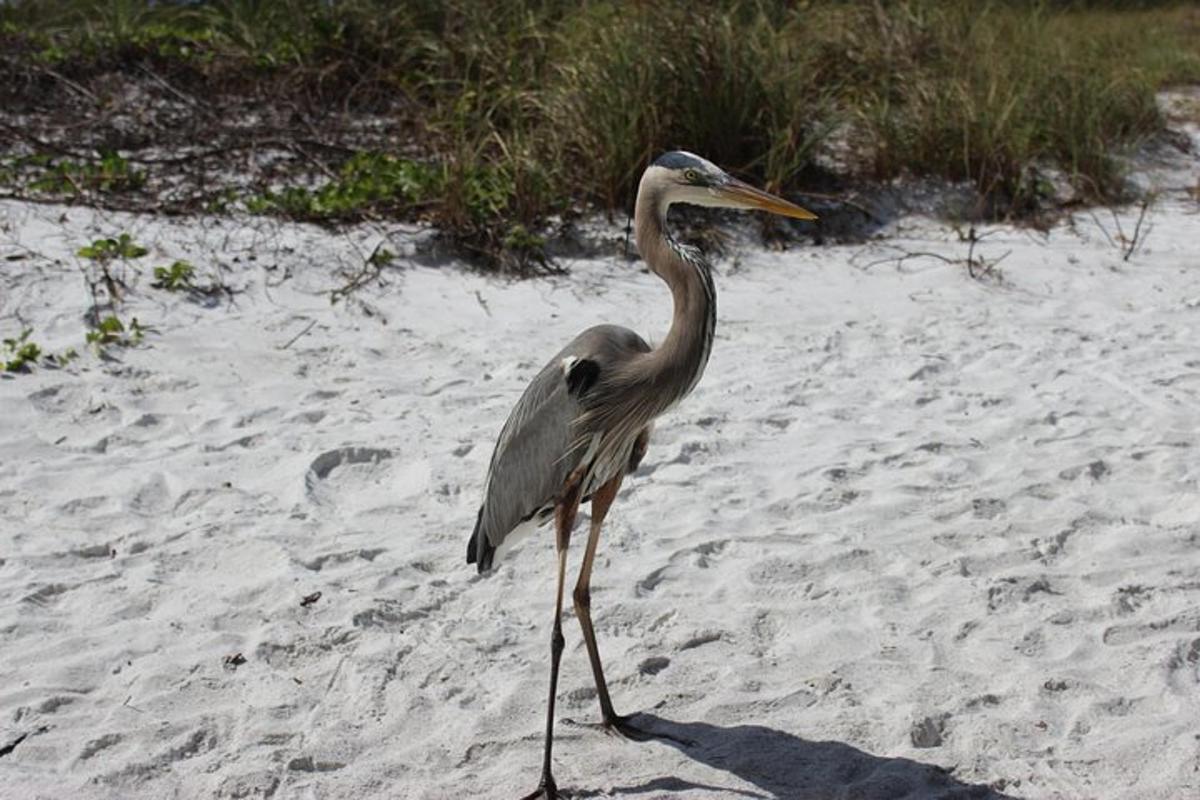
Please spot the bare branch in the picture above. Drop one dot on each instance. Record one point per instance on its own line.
(1135, 241)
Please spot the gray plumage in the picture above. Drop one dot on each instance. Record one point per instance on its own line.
(545, 438)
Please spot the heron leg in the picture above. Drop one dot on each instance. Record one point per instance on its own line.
(564, 521)
(612, 721)
(601, 501)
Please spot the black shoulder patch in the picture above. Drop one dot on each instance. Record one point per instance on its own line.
(582, 376)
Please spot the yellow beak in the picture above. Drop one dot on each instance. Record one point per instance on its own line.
(743, 195)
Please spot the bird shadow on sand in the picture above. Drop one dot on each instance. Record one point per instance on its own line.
(781, 765)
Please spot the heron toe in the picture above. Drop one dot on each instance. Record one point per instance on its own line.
(622, 725)
(547, 790)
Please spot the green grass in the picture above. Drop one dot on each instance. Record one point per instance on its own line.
(994, 95)
(523, 110)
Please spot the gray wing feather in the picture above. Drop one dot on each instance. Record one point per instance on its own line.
(537, 448)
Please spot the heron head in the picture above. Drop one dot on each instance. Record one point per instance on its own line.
(683, 177)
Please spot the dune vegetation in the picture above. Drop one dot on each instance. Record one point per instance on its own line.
(492, 120)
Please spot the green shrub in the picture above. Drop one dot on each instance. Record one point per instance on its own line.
(175, 277)
(19, 353)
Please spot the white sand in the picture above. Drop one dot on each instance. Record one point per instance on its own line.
(902, 508)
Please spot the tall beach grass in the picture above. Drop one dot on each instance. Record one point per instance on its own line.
(532, 108)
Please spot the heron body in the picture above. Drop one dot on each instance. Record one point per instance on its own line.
(523, 482)
(585, 419)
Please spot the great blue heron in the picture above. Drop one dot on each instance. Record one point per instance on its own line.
(585, 419)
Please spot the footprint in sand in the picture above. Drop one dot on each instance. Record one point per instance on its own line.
(1184, 622)
(318, 563)
(701, 639)
(348, 476)
(310, 764)
(58, 399)
(47, 594)
(1183, 666)
(94, 746)
(253, 784)
(153, 496)
(188, 745)
(653, 665)
(700, 556)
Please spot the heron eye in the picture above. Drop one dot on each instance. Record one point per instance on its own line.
(691, 176)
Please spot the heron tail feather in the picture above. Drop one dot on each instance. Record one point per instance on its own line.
(479, 550)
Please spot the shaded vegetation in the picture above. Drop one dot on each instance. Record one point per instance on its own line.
(490, 119)
(367, 182)
(43, 172)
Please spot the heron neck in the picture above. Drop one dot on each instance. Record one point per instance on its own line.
(676, 365)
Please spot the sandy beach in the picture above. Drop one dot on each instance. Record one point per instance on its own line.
(915, 534)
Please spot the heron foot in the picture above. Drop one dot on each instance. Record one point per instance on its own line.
(623, 725)
(547, 790)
